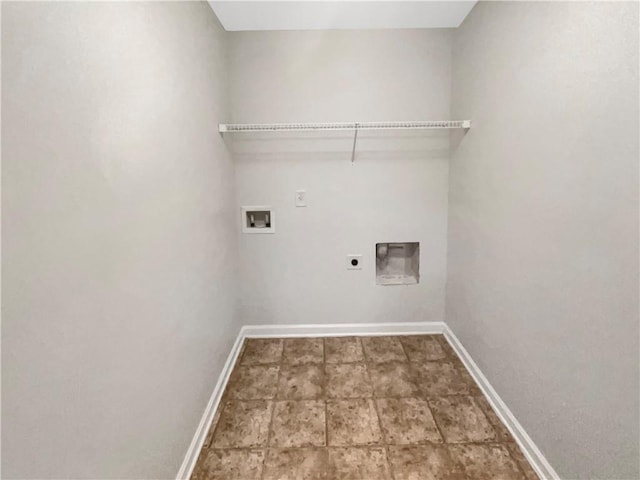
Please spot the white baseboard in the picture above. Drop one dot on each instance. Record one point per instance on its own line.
(533, 454)
(342, 329)
(530, 450)
(190, 459)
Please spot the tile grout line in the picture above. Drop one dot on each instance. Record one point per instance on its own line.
(425, 397)
(435, 422)
(448, 351)
(365, 446)
(273, 409)
(422, 395)
(374, 400)
(324, 391)
(404, 350)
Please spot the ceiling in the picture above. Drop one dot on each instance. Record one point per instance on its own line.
(240, 15)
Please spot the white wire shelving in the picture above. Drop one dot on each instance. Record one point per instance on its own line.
(302, 127)
(342, 126)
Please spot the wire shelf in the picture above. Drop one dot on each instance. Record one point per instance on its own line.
(299, 127)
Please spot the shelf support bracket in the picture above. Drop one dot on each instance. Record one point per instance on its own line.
(355, 139)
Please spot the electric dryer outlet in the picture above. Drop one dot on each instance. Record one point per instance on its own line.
(354, 262)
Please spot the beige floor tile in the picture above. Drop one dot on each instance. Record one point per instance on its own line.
(298, 382)
(296, 464)
(253, 383)
(423, 462)
(352, 422)
(358, 463)
(303, 350)
(229, 465)
(298, 423)
(522, 462)
(434, 418)
(407, 421)
(502, 434)
(392, 380)
(461, 420)
(343, 350)
(421, 348)
(262, 351)
(348, 380)
(486, 462)
(243, 424)
(435, 379)
(383, 349)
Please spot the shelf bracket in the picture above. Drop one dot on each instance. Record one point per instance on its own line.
(355, 139)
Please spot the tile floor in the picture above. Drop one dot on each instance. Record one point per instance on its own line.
(356, 408)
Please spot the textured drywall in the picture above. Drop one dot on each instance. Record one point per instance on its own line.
(543, 223)
(395, 191)
(119, 248)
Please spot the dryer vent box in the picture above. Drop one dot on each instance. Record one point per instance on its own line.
(258, 220)
(398, 263)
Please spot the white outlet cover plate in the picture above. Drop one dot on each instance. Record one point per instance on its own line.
(301, 198)
(354, 257)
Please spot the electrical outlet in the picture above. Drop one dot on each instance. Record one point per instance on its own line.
(301, 198)
(354, 262)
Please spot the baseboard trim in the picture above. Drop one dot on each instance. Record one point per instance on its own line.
(529, 448)
(191, 457)
(340, 329)
(533, 454)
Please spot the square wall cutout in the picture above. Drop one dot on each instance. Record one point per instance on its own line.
(258, 220)
(398, 263)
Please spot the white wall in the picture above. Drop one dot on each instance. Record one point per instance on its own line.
(395, 191)
(543, 223)
(118, 243)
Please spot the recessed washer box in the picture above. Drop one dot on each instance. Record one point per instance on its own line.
(398, 263)
(258, 219)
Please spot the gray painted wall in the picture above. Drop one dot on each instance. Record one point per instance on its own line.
(543, 223)
(395, 191)
(119, 245)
